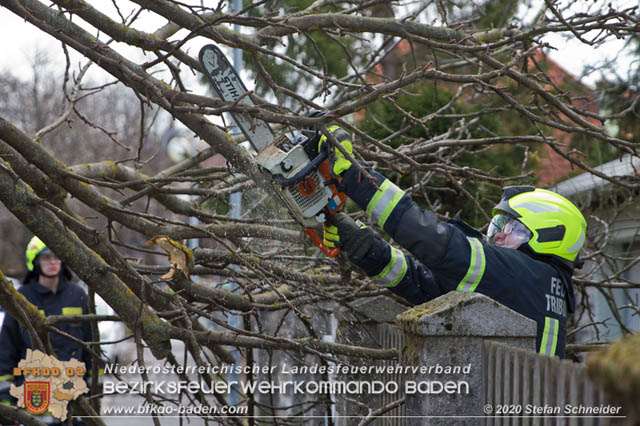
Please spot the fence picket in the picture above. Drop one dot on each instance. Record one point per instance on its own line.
(499, 377)
(548, 393)
(517, 385)
(487, 374)
(527, 384)
(589, 401)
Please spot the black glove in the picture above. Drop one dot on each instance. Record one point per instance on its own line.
(343, 232)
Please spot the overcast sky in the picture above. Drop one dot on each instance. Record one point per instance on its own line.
(19, 40)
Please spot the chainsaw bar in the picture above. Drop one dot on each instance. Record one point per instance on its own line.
(229, 87)
(300, 180)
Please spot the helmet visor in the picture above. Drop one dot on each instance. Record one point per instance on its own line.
(505, 231)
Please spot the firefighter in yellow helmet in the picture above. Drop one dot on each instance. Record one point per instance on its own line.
(525, 261)
(48, 286)
(44, 265)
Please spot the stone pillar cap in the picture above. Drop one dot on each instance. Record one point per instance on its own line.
(465, 314)
(376, 309)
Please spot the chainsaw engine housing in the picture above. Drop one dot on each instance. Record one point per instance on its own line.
(304, 190)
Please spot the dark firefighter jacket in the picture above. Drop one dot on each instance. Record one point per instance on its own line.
(69, 299)
(453, 256)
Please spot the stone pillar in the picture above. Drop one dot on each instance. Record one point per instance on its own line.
(444, 340)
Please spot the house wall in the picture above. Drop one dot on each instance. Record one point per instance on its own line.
(621, 239)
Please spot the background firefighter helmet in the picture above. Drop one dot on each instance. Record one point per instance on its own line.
(557, 225)
(34, 248)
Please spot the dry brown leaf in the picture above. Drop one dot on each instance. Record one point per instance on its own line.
(180, 256)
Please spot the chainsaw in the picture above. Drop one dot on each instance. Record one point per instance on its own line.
(301, 171)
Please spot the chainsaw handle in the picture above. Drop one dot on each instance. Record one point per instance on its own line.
(311, 166)
(318, 242)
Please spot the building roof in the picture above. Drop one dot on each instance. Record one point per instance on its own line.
(586, 182)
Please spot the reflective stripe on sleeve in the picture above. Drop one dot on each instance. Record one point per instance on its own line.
(549, 336)
(395, 270)
(72, 310)
(477, 263)
(384, 201)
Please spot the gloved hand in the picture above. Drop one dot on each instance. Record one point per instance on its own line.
(343, 232)
(338, 161)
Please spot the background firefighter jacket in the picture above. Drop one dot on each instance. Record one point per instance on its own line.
(453, 256)
(69, 299)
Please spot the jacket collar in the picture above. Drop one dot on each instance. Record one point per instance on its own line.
(62, 285)
(466, 228)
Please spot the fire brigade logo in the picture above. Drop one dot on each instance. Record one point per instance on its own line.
(49, 384)
(36, 396)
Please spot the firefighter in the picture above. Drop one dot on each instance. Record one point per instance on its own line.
(48, 286)
(525, 261)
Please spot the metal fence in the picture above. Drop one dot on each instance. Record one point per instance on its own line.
(533, 389)
(390, 337)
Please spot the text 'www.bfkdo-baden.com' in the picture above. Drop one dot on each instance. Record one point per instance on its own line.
(175, 410)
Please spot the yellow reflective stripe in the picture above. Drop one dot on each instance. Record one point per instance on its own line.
(477, 263)
(331, 235)
(549, 336)
(545, 335)
(100, 372)
(395, 270)
(384, 201)
(72, 310)
(7, 378)
(556, 326)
